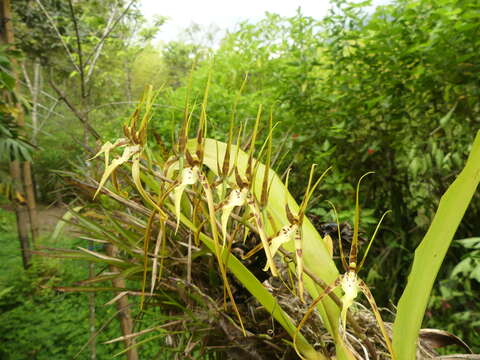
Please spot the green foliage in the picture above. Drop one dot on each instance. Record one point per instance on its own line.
(37, 321)
(392, 76)
(148, 67)
(7, 220)
(469, 268)
(13, 146)
(34, 33)
(7, 81)
(396, 107)
(453, 302)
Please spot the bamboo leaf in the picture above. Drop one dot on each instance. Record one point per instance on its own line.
(63, 221)
(101, 256)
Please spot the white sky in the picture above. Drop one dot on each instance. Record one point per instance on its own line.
(225, 13)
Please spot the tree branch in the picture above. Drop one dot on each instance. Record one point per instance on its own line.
(27, 77)
(52, 23)
(99, 46)
(79, 50)
(79, 115)
(106, 34)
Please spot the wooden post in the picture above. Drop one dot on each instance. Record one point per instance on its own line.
(124, 313)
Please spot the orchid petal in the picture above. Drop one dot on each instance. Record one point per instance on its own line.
(284, 235)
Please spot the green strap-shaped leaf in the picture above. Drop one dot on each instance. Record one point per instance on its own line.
(430, 253)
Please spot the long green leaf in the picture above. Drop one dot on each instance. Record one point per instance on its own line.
(430, 254)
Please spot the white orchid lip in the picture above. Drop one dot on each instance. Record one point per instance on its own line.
(189, 176)
(237, 197)
(350, 287)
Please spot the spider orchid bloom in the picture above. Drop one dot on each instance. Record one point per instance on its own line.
(189, 176)
(107, 147)
(292, 231)
(294, 228)
(237, 197)
(128, 152)
(285, 234)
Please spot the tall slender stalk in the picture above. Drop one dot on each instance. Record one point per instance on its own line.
(21, 214)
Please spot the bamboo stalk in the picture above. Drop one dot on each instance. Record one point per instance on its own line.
(21, 181)
(21, 214)
(31, 201)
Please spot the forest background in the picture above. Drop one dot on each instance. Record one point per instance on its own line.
(394, 91)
